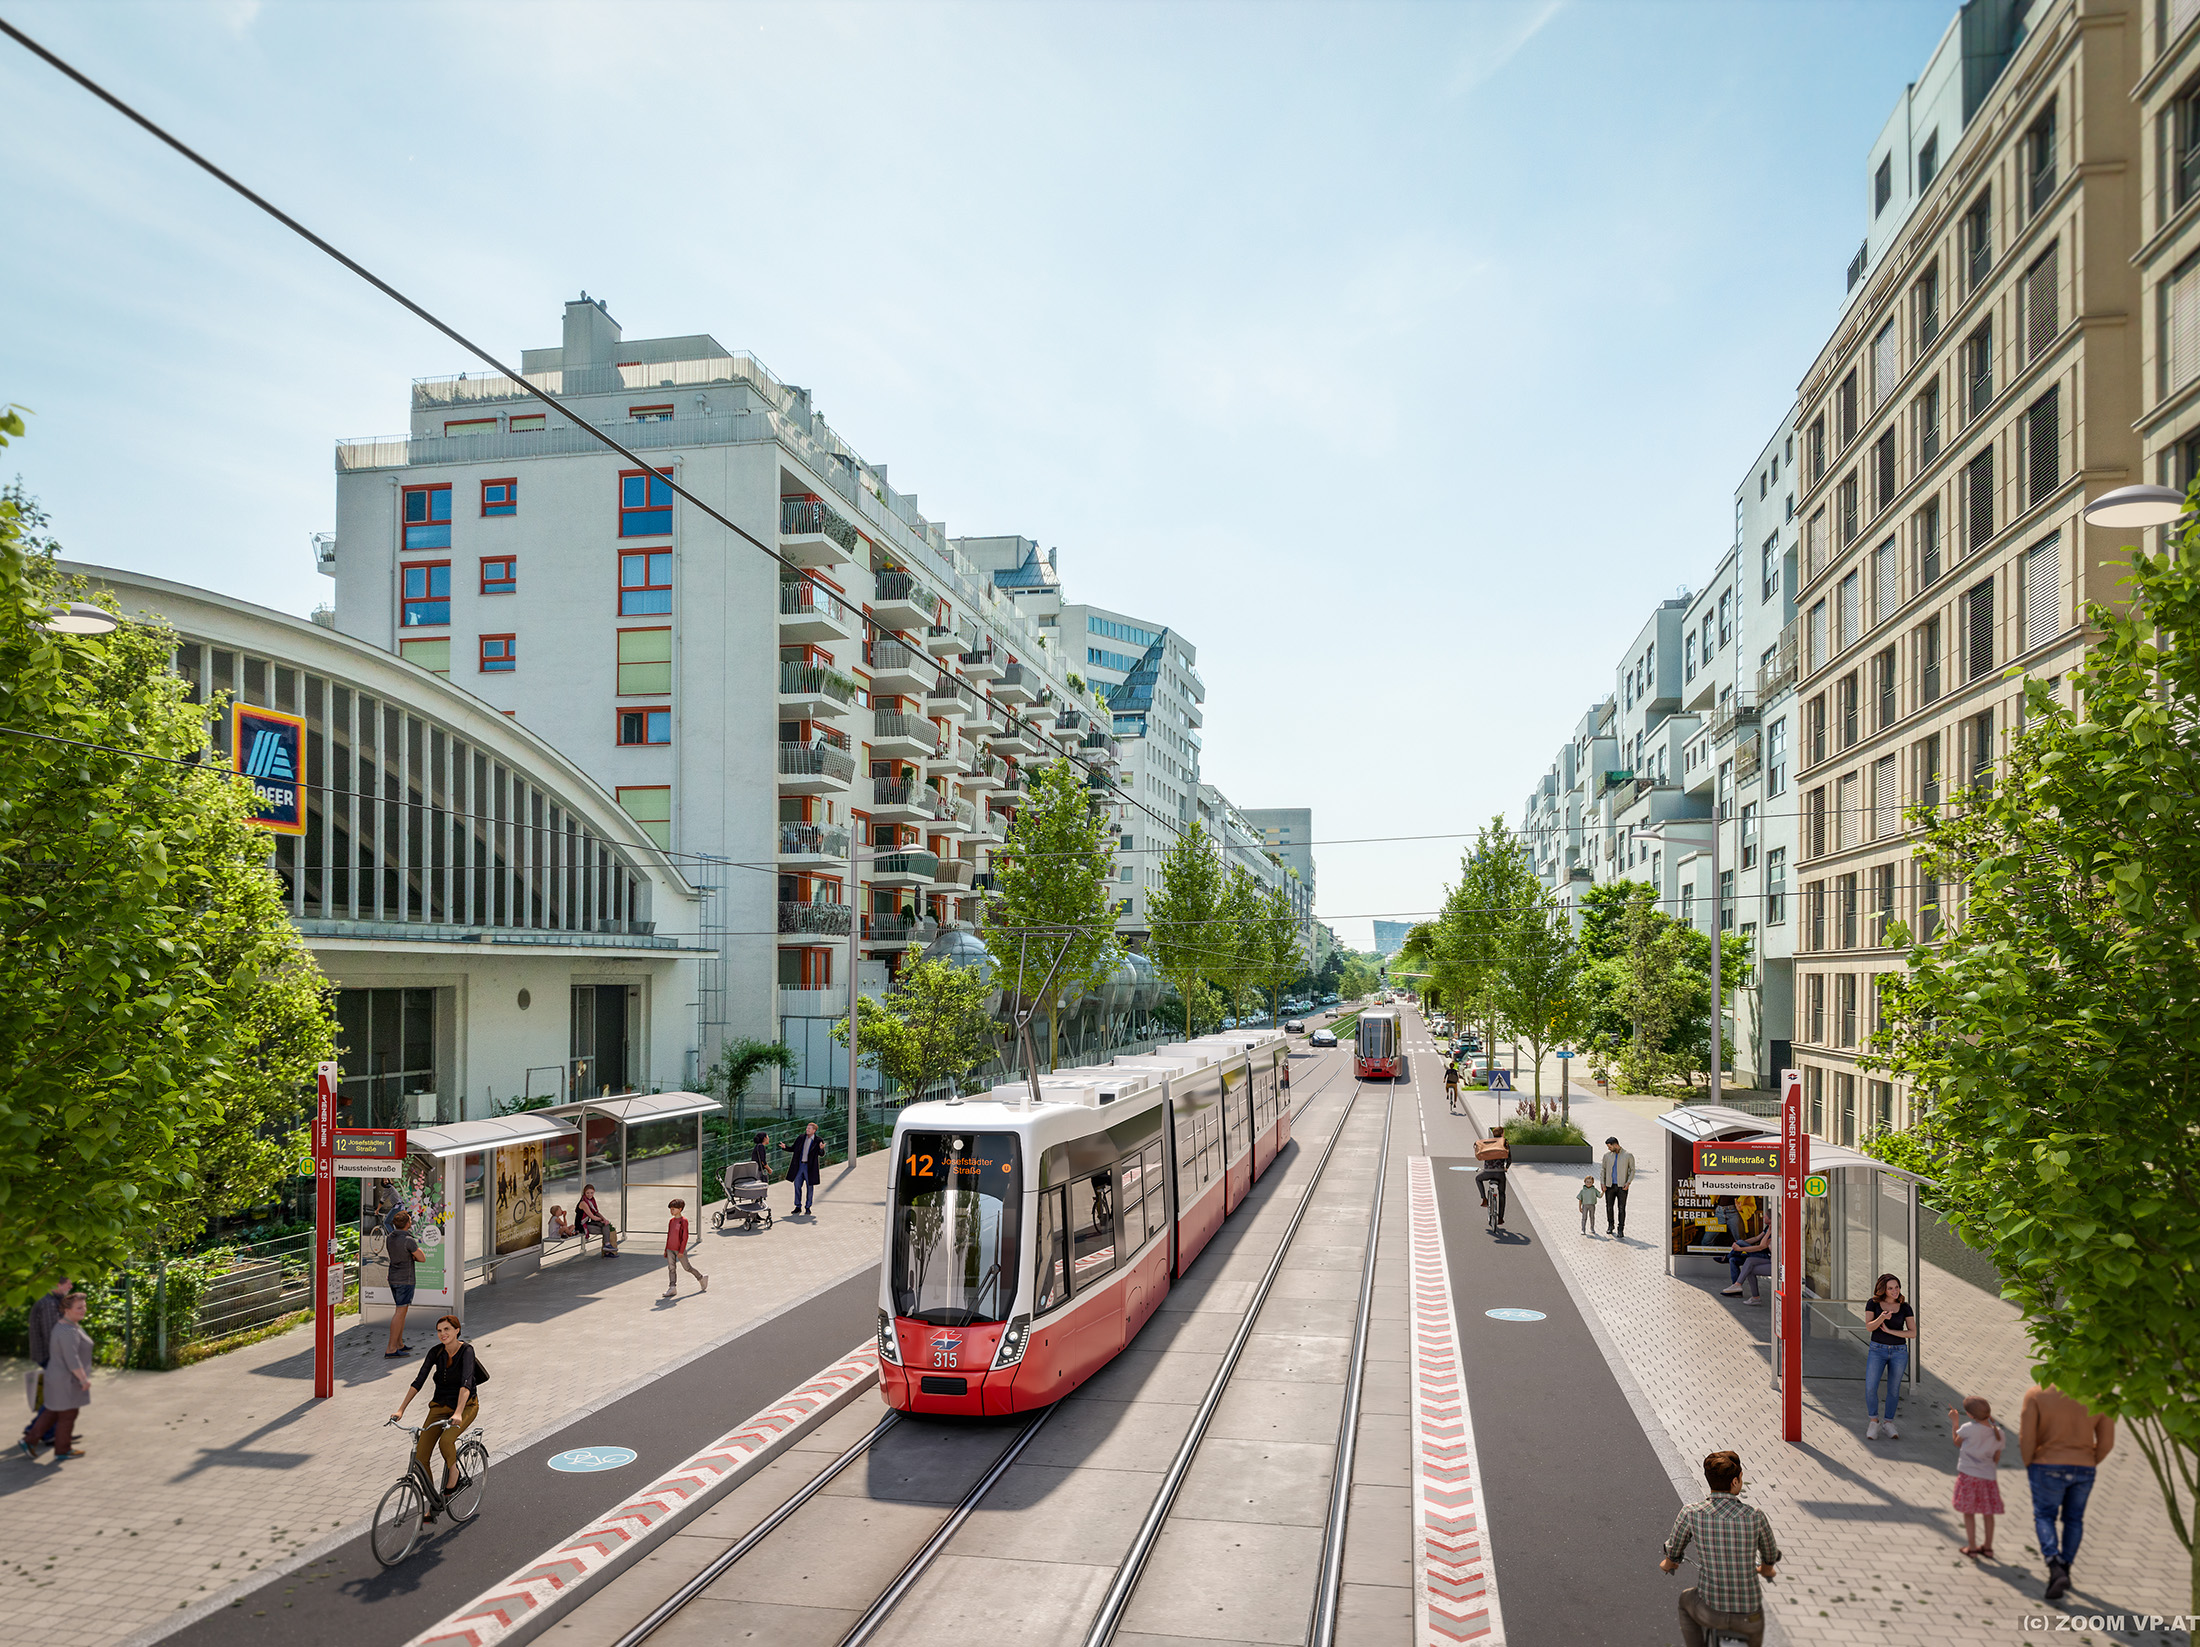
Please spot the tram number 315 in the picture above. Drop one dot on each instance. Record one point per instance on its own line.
(945, 1351)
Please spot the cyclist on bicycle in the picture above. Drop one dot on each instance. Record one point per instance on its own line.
(456, 1374)
(1496, 1157)
(1451, 1085)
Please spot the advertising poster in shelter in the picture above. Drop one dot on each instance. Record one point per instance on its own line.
(518, 1198)
(422, 1190)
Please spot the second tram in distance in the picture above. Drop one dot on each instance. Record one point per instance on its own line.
(1377, 1049)
(1027, 1242)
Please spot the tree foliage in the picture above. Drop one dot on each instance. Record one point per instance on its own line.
(1646, 988)
(1536, 985)
(740, 1060)
(2049, 1032)
(160, 1019)
(1496, 884)
(1054, 924)
(1185, 915)
(933, 1026)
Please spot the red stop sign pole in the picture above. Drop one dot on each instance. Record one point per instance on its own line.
(324, 1233)
(1794, 1164)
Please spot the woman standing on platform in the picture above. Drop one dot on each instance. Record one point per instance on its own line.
(1892, 1324)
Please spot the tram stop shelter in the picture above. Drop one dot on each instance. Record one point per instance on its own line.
(446, 1171)
(647, 1146)
(1863, 1226)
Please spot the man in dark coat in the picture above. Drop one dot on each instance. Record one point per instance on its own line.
(806, 1169)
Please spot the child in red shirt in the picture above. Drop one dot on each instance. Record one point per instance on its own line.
(676, 1250)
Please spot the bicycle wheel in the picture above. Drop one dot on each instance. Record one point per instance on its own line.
(397, 1523)
(473, 1480)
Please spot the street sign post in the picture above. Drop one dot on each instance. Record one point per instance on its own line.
(324, 1232)
(1501, 1080)
(1794, 1167)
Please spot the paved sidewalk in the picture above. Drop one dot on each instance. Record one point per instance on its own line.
(1869, 1535)
(207, 1479)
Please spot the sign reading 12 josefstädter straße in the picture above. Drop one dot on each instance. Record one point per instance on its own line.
(269, 747)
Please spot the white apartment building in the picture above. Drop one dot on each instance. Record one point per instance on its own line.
(1287, 832)
(759, 722)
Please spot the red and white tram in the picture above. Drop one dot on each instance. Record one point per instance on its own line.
(1028, 1242)
(1379, 1047)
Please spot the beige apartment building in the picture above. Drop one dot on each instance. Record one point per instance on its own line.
(1985, 377)
(2168, 93)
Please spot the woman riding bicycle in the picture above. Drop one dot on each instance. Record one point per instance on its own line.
(1451, 1085)
(452, 1363)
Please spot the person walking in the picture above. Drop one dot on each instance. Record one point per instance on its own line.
(404, 1255)
(762, 1155)
(1615, 1172)
(458, 1374)
(676, 1252)
(1734, 1548)
(1979, 1441)
(2062, 1443)
(1587, 1196)
(807, 1167)
(45, 1314)
(68, 1382)
(1891, 1323)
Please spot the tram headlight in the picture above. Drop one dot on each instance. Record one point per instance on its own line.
(888, 1350)
(1013, 1339)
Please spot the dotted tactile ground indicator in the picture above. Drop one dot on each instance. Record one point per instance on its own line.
(493, 1615)
(1455, 1590)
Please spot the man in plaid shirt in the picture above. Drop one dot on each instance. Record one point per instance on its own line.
(1734, 1547)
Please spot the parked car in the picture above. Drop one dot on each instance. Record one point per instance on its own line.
(1322, 1038)
(1297, 1026)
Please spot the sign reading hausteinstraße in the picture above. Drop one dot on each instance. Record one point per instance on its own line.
(1735, 1158)
(269, 747)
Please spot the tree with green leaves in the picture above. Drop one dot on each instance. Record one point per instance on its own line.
(740, 1060)
(1357, 979)
(160, 1018)
(933, 1026)
(1243, 943)
(1185, 915)
(1646, 987)
(1281, 957)
(1496, 883)
(2048, 1030)
(1536, 984)
(1053, 924)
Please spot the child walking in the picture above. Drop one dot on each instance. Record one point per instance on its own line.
(1978, 1457)
(676, 1253)
(1588, 1197)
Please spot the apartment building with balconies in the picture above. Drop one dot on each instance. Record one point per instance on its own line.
(858, 686)
(2168, 93)
(1980, 377)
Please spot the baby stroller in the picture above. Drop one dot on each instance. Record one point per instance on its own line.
(746, 1189)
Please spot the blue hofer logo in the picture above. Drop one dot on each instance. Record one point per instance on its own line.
(582, 1460)
(268, 747)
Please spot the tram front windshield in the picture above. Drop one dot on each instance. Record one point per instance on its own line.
(1378, 1037)
(958, 1204)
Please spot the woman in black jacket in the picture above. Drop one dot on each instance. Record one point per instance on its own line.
(456, 1373)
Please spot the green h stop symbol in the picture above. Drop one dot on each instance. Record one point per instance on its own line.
(1814, 1184)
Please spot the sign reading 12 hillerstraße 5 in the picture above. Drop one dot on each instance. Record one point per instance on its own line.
(269, 747)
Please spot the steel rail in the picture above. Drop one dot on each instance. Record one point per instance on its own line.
(1110, 1616)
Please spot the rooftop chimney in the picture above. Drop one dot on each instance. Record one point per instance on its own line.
(591, 335)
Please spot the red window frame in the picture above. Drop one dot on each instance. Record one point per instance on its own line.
(405, 602)
(641, 712)
(510, 504)
(431, 531)
(468, 426)
(652, 414)
(644, 588)
(527, 423)
(646, 507)
(505, 663)
(505, 585)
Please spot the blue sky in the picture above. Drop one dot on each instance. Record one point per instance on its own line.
(1401, 356)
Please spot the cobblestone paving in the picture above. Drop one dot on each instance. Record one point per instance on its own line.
(204, 1480)
(1867, 1529)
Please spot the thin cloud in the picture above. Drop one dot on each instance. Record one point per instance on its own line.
(1481, 67)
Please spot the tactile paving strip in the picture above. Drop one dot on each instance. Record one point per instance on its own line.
(521, 1598)
(1455, 1591)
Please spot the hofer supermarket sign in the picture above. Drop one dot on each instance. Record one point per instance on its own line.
(269, 747)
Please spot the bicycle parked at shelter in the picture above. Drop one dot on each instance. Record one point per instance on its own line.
(405, 1508)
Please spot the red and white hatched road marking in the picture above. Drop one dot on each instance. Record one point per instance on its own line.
(495, 1613)
(1455, 1591)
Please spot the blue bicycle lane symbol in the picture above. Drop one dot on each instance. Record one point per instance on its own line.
(582, 1460)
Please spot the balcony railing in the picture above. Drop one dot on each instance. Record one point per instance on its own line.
(913, 793)
(955, 872)
(814, 680)
(812, 840)
(964, 635)
(814, 920)
(815, 760)
(1738, 710)
(1781, 671)
(959, 812)
(989, 766)
(1099, 746)
(1748, 757)
(798, 518)
(887, 656)
(922, 865)
(888, 724)
(899, 929)
(799, 597)
(903, 588)
(947, 691)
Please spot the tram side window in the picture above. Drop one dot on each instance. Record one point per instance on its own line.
(1210, 1148)
(1053, 1252)
(1239, 1104)
(1157, 1200)
(1137, 1184)
(1091, 1227)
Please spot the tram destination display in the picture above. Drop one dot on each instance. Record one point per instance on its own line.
(367, 1152)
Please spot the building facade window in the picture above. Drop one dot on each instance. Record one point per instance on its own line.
(1978, 630)
(499, 498)
(1776, 757)
(645, 662)
(1883, 690)
(1927, 526)
(499, 654)
(430, 653)
(2040, 612)
(427, 517)
(650, 805)
(1976, 359)
(499, 575)
(648, 725)
(645, 583)
(645, 505)
(1978, 502)
(2037, 152)
(1977, 237)
(650, 414)
(2038, 306)
(1775, 885)
(2041, 430)
(427, 593)
(1928, 661)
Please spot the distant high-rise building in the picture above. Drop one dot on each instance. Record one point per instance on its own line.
(1390, 936)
